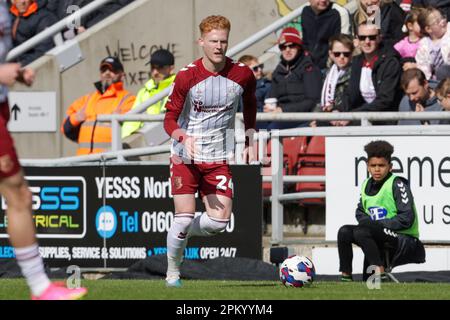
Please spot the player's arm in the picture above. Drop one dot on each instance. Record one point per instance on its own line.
(405, 206)
(9, 72)
(174, 107)
(249, 110)
(361, 216)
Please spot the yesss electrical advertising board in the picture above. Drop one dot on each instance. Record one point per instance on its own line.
(90, 217)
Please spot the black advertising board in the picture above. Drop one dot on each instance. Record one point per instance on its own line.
(113, 216)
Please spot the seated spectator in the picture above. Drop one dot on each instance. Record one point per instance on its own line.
(110, 97)
(406, 5)
(337, 79)
(107, 10)
(296, 81)
(63, 8)
(263, 84)
(442, 5)
(375, 74)
(392, 18)
(434, 48)
(407, 47)
(443, 95)
(419, 96)
(321, 20)
(162, 65)
(29, 20)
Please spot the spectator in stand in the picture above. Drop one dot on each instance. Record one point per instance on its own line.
(29, 20)
(263, 84)
(338, 77)
(162, 76)
(434, 48)
(64, 8)
(442, 5)
(419, 96)
(107, 10)
(296, 81)
(321, 20)
(375, 74)
(81, 124)
(390, 14)
(405, 5)
(407, 48)
(443, 95)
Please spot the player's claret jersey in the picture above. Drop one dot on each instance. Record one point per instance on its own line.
(204, 105)
(5, 41)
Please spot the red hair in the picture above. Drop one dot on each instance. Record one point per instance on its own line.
(214, 22)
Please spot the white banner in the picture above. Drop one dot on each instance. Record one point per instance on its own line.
(423, 160)
(32, 111)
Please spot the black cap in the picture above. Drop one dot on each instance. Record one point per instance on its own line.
(112, 63)
(162, 57)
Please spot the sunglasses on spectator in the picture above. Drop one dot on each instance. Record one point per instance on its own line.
(283, 47)
(371, 37)
(346, 54)
(258, 67)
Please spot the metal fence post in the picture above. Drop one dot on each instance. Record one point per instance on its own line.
(116, 143)
(277, 188)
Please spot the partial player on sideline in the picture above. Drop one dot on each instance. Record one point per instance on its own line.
(200, 119)
(14, 188)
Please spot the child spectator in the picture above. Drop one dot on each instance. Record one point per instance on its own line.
(407, 47)
(434, 48)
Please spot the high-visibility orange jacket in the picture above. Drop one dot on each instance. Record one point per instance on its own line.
(93, 136)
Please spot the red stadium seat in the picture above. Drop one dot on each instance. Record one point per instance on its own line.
(310, 164)
(293, 147)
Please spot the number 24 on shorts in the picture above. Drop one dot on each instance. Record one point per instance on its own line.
(222, 183)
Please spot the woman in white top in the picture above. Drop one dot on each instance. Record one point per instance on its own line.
(434, 48)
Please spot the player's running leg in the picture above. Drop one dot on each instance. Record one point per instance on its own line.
(22, 236)
(177, 236)
(216, 217)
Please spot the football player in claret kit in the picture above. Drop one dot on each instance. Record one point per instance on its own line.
(14, 188)
(200, 119)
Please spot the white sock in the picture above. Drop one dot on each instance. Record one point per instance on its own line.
(206, 226)
(176, 243)
(32, 266)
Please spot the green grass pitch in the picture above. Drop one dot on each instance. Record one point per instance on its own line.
(13, 289)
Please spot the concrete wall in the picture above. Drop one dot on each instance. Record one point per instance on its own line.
(133, 34)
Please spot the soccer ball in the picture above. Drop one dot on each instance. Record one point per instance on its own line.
(297, 271)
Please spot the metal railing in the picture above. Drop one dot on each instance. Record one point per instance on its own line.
(277, 178)
(364, 117)
(54, 29)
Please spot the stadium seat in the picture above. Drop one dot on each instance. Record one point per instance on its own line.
(293, 147)
(310, 164)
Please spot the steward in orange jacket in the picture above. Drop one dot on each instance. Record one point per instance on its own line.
(81, 123)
